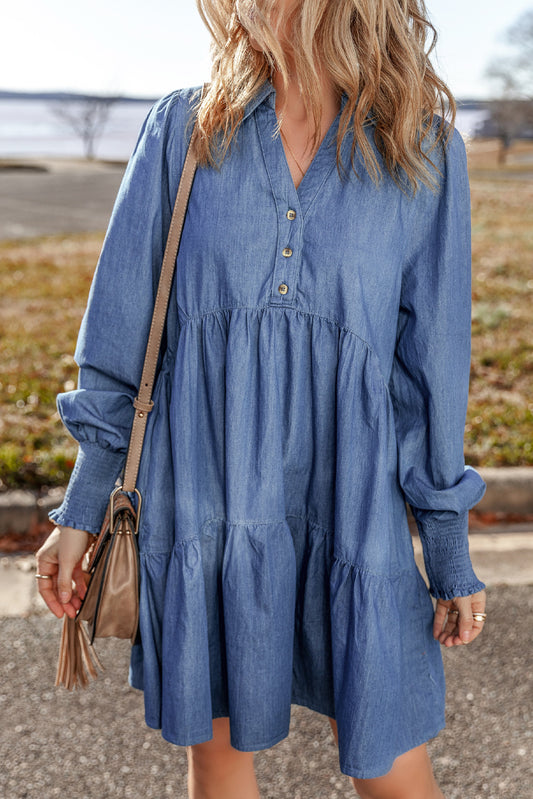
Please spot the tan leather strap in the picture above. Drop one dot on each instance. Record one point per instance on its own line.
(143, 403)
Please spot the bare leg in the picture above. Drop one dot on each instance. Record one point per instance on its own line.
(411, 777)
(218, 771)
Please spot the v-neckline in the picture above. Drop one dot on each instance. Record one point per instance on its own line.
(326, 140)
(275, 160)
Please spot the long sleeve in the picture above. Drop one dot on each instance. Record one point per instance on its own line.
(112, 339)
(430, 379)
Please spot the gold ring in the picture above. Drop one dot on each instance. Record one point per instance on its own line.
(479, 616)
(43, 577)
(452, 611)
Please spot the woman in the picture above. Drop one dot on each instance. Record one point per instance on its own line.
(314, 377)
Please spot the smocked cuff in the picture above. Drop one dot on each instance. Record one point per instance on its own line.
(447, 558)
(91, 482)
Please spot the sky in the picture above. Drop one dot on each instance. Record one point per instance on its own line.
(148, 49)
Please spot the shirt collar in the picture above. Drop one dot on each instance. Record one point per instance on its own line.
(267, 92)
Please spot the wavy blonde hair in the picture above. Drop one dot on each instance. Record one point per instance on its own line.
(373, 50)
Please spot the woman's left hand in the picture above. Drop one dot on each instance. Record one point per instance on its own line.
(451, 628)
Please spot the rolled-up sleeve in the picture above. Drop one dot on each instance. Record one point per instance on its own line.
(430, 380)
(114, 331)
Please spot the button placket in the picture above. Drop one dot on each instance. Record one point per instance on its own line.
(289, 215)
(288, 269)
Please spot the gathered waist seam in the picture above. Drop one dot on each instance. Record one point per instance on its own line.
(354, 567)
(282, 520)
(243, 523)
(312, 314)
(342, 561)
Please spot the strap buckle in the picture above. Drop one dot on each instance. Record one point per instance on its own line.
(142, 407)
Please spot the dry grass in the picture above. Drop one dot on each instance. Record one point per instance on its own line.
(44, 284)
(500, 419)
(484, 157)
(43, 290)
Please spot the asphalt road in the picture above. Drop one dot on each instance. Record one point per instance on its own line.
(58, 196)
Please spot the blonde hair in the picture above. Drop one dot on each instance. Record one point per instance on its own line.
(373, 50)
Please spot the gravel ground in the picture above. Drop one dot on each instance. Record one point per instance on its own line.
(94, 744)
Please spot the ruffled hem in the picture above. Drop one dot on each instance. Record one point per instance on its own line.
(471, 587)
(261, 616)
(379, 769)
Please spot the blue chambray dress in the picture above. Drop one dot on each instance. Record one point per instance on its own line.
(313, 378)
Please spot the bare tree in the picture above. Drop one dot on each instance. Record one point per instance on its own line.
(87, 116)
(511, 114)
(520, 36)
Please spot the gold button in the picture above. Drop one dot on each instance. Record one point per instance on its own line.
(287, 252)
(283, 288)
(291, 214)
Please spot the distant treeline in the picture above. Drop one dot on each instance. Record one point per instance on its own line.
(466, 105)
(54, 96)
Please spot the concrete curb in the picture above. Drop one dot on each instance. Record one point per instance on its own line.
(24, 511)
(509, 490)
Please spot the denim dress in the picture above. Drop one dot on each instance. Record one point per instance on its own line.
(313, 379)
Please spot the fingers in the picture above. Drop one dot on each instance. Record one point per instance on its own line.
(47, 558)
(459, 627)
(441, 616)
(448, 629)
(64, 580)
(69, 573)
(80, 581)
(72, 547)
(464, 619)
(59, 558)
(475, 603)
(47, 589)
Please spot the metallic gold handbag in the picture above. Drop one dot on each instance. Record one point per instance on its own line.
(110, 607)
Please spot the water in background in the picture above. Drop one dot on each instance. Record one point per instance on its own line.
(29, 129)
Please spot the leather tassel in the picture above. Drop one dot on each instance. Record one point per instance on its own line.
(78, 661)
